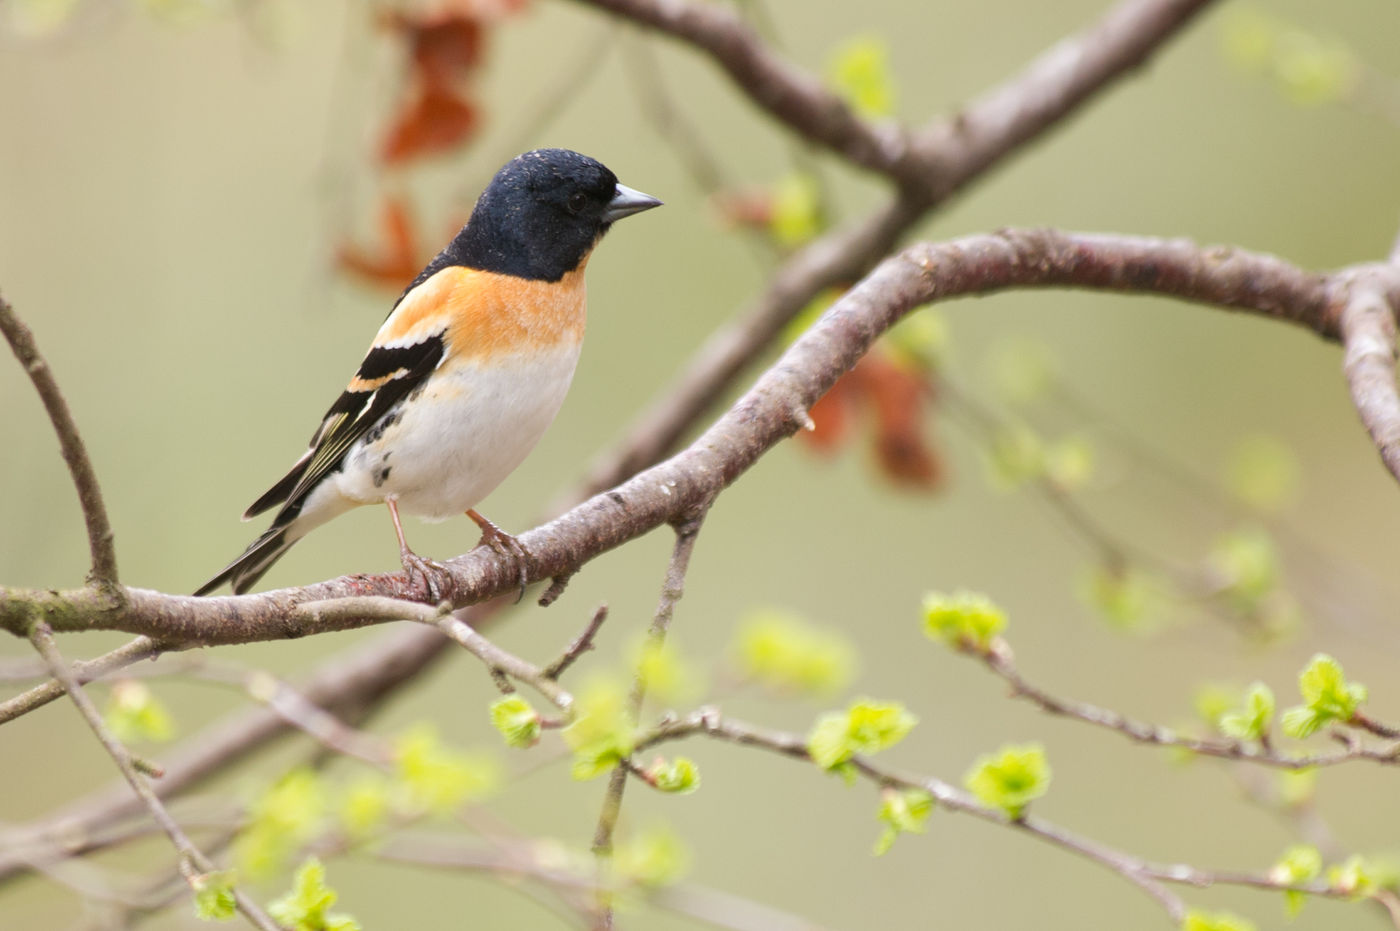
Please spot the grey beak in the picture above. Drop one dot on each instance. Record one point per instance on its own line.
(627, 202)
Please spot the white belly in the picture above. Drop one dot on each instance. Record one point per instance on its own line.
(457, 439)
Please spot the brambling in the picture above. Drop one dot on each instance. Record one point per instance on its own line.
(466, 373)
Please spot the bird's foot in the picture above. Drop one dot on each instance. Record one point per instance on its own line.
(508, 546)
(429, 571)
(415, 567)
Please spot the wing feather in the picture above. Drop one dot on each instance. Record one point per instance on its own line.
(409, 346)
(355, 413)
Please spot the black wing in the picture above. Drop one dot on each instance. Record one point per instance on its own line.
(385, 377)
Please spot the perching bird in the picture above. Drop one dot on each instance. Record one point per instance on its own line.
(468, 370)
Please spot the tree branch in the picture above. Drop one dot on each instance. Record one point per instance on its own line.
(837, 258)
(84, 672)
(770, 411)
(191, 859)
(1368, 334)
(344, 686)
(955, 152)
(500, 661)
(773, 409)
(943, 157)
(709, 723)
(581, 645)
(70, 442)
(795, 98)
(998, 659)
(928, 167)
(1147, 876)
(299, 711)
(720, 909)
(671, 591)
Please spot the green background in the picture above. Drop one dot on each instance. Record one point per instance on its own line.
(170, 199)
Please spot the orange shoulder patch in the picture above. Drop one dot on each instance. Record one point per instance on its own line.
(423, 312)
(482, 314)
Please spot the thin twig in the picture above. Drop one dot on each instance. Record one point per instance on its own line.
(35, 848)
(193, 862)
(1147, 876)
(161, 890)
(581, 645)
(94, 884)
(1111, 549)
(346, 686)
(366, 607)
(798, 100)
(84, 672)
(529, 860)
(1300, 816)
(726, 910)
(710, 723)
(294, 707)
(999, 660)
(541, 113)
(509, 865)
(498, 660)
(671, 591)
(1371, 725)
(99, 528)
(299, 711)
(1039, 97)
(689, 143)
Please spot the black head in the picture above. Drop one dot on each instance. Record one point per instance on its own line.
(541, 215)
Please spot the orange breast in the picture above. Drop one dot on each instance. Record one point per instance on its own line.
(484, 314)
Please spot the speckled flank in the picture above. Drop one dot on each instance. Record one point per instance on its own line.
(484, 314)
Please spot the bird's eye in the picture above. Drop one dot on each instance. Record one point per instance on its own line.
(577, 201)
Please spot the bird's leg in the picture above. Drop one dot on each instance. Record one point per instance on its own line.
(506, 545)
(413, 564)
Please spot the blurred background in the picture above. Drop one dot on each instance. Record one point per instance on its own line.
(191, 210)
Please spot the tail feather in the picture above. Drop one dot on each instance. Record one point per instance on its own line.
(243, 573)
(281, 491)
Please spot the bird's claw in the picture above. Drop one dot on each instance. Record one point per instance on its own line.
(512, 549)
(417, 567)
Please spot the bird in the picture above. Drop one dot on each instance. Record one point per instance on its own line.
(466, 373)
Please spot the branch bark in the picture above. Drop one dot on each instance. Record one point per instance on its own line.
(793, 97)
(927, 166)
(84, 672)
(1368, 334)
(772, 410)
(1116, 45)
(99, 529)
(952, 153)
(671, 591)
